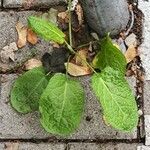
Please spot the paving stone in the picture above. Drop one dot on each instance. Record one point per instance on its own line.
(143, 147)
(14, 125)
(8, 34)
(147, 129)
(147, 98)
(32, 3)
(109, 146)
(144, 6)
(32, 146)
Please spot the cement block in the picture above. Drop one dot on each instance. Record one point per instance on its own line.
(144, 49)
(8, 34)
(14, 125)
(147, 98)
(97, 146)
(33, 3)
(143, 147)
(147, 129)
(32, 146)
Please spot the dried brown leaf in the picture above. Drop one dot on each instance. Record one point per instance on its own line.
(79, 13)
(32, 37)
(76, 70)
(83, 53)
(7, 52)
(131, 53)
(63, 16)
(32, 63)
(22, 34)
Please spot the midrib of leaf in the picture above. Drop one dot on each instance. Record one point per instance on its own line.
(104, 83)
(56, 33)
(105, 56)
(32, 91)
(64, 101)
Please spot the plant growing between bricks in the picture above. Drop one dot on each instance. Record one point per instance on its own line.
(60, 99)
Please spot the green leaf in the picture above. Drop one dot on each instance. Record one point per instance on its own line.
(109, 55)
(27, 90)
(61, 105)
(46, 29)
(116, 98)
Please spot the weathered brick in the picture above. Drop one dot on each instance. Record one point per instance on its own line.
(144, 50)
(143, 147)
(8, 34)
(147, 97)
(32, 146)
(147, 129)
(33, 3)
(97, 146)
(14, 125)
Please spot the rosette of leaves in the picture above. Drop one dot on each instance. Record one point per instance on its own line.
(60, 99)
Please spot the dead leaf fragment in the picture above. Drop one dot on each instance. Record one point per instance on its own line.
(7, 52)
(22, 34)
(32, 63)
(131, 40)
(79, 13)
(131, 53)
(64, 16)
(12, 146)
(51, 16)
(76, 70)
(32, 37)
(81, 57)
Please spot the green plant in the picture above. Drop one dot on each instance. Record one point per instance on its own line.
(60, 99)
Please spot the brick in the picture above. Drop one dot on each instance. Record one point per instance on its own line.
(144, 50)
(147, 129)
(14, 125)
(143, 147)
(97, 146)
(33, 3)
(32, 146)
(8, 35)
(147, 98)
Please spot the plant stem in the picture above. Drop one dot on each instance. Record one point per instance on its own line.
(72, 51)
(70, 24)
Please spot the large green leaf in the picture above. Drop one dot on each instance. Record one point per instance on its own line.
(109, 55)
(46, 30)
(61, 105)
(116, 98)
(27, 90)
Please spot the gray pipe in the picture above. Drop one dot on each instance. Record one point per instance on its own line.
(105, 16)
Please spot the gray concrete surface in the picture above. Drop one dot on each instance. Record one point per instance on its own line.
(147, 129)
(8, 34)
(70, 146)
(14, 125)
(32, 146)
(143, 147)
(144, 49)
(147, 97)
(96, 146)
(32, 3)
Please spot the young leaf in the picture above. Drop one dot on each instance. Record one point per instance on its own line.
(61, 105)
(27, 90)
(118, 103)
(46, 29)
(110, 55)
